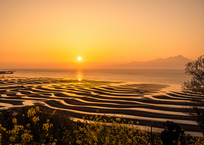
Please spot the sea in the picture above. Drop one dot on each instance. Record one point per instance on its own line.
(158, 106)
(173, 77)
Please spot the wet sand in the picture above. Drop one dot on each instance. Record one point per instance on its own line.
(137, 102)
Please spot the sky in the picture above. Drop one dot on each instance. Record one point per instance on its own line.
(54, 33)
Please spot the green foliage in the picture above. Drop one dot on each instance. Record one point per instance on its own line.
(34, 125)
(31, 125)
(97, 130)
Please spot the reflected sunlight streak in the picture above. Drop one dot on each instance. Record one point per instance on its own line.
(79, 76)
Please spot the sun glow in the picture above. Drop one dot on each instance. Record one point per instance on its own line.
(97, 34)
(79, 58)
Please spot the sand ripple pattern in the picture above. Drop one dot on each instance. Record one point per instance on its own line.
(138, 102)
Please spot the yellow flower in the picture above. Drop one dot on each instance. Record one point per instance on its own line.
(118, 119)
(31, 112)
(78, 142)
(12, 138)
(37, 108)
(26, 137)
(35, 119)
(14, 120)
(28, 125)
(46, 126)
(129, 141)
(2, 128)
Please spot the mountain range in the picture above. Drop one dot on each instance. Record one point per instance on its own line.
(177, 62)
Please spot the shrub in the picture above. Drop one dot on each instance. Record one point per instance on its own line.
(34, 125)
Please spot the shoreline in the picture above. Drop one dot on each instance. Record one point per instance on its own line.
(136, 101)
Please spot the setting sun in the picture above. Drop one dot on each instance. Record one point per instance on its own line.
(79, 58)
(108, 61)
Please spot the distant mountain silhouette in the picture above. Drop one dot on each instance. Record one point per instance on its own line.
(177, 62)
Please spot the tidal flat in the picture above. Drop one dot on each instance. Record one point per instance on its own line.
(138, 102)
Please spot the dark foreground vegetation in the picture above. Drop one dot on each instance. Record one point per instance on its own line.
(40, 125)
(195, 85)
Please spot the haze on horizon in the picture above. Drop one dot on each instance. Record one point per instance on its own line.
(53, 34)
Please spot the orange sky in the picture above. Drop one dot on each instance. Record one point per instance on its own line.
(53, 33)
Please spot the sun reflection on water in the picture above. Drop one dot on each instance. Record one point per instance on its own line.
(79, 76)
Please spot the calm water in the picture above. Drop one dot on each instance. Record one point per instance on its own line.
(176, 77)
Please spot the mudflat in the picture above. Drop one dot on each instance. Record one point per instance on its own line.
(132, 101)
